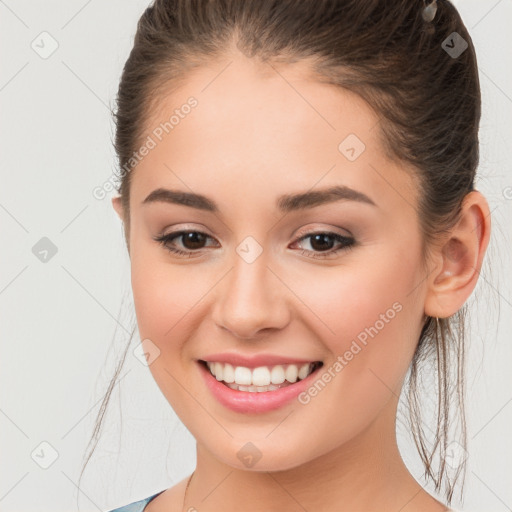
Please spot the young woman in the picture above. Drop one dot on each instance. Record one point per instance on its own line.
(297, 193)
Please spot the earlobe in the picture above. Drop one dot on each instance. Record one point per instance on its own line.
(118, 207)
(459, 259)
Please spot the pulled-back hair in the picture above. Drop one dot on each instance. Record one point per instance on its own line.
(394, 56)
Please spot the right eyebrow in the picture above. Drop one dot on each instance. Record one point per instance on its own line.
(184, 198)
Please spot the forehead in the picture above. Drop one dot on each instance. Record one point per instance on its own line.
(265, 130)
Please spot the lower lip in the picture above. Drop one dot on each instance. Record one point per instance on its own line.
(247, 402)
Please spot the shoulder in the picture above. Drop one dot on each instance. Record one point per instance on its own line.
(137, 506)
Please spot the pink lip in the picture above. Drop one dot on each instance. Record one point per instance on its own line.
(247, 402)
(254, 361)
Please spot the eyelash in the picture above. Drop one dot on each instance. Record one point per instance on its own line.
(347, 241)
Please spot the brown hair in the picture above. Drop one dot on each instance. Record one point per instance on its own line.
(395, 58)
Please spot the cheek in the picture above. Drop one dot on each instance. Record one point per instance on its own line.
(165, 299)
(367, 317)
(366, 313)
(163, 293)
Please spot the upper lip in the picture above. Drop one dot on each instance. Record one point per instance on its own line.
(256, 360)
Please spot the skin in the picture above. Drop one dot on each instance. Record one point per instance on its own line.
(258, 133)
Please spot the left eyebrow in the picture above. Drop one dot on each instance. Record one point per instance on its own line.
(291, 202)
(285, 203)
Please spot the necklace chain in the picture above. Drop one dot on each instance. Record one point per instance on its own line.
(186, 489)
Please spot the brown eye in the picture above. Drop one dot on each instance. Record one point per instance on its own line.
(192, 241)
(322, 242)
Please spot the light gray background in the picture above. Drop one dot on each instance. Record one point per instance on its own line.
(58, 318)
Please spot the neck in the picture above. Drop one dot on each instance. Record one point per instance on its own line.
(364, 474)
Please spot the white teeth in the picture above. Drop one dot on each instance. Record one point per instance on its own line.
(291, 373)
(258, 378)
(253, 389)
(303, 371)
(218, 370)
(228, 373)
(242, 376)
(277, 375)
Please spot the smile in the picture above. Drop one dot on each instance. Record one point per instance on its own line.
(262, 378)
(253, 395)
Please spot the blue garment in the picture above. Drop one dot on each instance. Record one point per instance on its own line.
(137, 506)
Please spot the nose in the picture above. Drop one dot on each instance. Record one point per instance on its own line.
(252, 300)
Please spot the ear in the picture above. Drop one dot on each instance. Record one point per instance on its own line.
(458, 260)
(118, 207)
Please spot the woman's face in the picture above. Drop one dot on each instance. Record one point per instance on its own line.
(254, 283)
